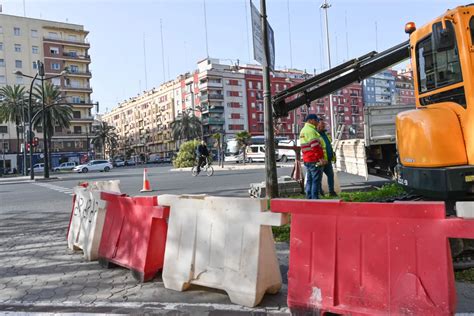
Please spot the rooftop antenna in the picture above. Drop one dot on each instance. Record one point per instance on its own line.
(162, 50)
(376, 38)
(247, 24)
(289, 33)
(205, 28)
(347, 38)
(144, 59)
(24, 9)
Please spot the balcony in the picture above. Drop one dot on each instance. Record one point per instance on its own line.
(207, 97)
(209, 84)
(77, 57)
(213, 109)
(85, 88)
(213, 121)
(76, 42)
(77, 73)
(71, 134)
(82, 119)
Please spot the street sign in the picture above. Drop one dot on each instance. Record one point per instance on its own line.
(257, 34)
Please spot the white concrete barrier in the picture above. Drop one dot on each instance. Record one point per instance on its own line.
(223, 243)
(87, 219)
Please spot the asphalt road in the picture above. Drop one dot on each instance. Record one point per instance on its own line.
(39, 274)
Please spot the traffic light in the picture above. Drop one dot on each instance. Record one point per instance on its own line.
(35, 141)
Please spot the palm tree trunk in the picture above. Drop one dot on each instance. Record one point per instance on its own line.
(17, 148)
(103, 149)
(50, 151)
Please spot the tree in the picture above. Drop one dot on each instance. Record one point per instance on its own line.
(243, 139)
(186, 156)
(12, 109)
(57, 111)
(220, 155)
(105, 135)
(186, 127)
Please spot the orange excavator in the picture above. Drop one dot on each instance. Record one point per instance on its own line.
(436, 140)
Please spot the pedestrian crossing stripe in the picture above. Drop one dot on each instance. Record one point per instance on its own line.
(57, 188)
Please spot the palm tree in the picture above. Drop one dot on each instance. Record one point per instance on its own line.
(186, 127)
(105, 135)
(12, 100)
(57, 111)
(243, 139)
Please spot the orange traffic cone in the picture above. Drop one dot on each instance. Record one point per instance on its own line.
(146, 183)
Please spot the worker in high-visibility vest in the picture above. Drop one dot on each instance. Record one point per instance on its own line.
(313, 155)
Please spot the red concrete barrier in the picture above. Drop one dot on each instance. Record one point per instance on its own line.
(371, 258)
(134, 234)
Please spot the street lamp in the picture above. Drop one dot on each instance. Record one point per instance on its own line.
(41, 74)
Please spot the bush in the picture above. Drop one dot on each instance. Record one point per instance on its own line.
(186, 154)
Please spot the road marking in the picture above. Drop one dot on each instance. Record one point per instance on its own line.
(154, 305)
(57, 188)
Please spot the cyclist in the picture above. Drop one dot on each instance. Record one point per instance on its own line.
(202, 153)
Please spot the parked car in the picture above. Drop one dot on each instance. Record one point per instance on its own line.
(167, 160)
(231, 157)
(286, 154)
(39, 167)
(118, 163)
(130, 162)
(65, 166)
(257, 153)
(94, 165)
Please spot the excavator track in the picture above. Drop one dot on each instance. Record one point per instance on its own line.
(462, 250)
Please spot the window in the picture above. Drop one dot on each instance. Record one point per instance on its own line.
(2, 79)
(16, 31)
(253, 105)
(235, 115)
(77, 129)
(1, 46)
(34, 33)
(259, 85)
(254, 116)
(54, 50)
(437, 69)
(72, 38)
(56, 81)
(53, 35)
(250, 85)
(74, 69)
(18, 64)
(76, 114)
(19, 80)
(55, 66)
(34, 49)
(17, 48)
(3, 129)
(2, 62)
(35, 66)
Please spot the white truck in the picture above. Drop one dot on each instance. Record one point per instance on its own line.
(376, 153)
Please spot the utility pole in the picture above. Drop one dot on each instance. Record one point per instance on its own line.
(325, 6)
(271, 181)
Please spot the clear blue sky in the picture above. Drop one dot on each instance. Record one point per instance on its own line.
(118, 27)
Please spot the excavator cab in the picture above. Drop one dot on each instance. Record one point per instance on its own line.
(436, 140)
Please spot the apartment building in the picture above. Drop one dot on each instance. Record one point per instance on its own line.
(404, 88)
(60, 46)
(143, 123)
(379, 89)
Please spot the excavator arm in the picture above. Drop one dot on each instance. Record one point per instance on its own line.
(338, 77)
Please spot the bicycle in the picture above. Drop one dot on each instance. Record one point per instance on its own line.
(207, 168)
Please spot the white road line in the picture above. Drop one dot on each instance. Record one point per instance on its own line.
(56, 188)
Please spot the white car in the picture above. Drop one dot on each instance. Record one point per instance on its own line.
(234, 157)
(39, 167)
(94, 165)
(65, 166)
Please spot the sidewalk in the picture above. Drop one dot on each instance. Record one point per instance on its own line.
(24, 179)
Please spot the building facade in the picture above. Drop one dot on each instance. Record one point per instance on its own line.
(379, 89)
(405, 94)
(60, 46)
(143, 124)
